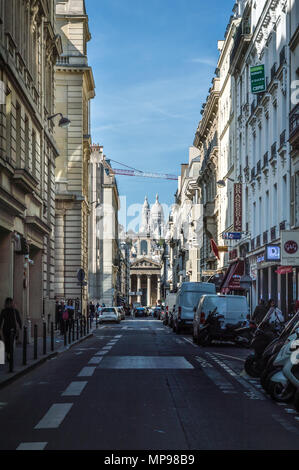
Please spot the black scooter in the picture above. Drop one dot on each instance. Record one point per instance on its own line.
(212, 330)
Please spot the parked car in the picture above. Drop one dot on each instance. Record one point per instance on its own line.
(187, 298)
(220, 317)
(122, 313)
(109, 314)
(169, 304)
(140, 312)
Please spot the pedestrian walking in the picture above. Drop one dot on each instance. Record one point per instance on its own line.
(10, 319)
(91, 310)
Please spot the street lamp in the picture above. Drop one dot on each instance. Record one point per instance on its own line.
(222, 184)
(63, 122)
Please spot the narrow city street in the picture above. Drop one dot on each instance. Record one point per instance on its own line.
(137, 385)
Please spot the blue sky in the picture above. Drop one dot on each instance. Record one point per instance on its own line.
(153, 62)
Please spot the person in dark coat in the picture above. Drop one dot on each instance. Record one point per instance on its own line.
(259, 312)
(9, 320)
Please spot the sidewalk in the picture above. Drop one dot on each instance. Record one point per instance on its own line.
(19, 369)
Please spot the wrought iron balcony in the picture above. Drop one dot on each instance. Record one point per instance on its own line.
(282, 138)
(258, 241)
(265, 160)
(241, 41)
(282, 56)
(273, 233)
(258, 167)
(252, 173)
(273, 151)
(294, 127)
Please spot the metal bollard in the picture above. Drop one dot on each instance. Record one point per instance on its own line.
(70, 330)
(35, 343)
(81, 328)
(77, 326)
(44, 337)
(64, 332)
(11, 350)
(84, 325)
(52, 336)
(73, 329)
(96, 322)
(24, 346)
(88, 320)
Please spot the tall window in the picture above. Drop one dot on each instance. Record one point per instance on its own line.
(274, 206)
(33, 153)
(18, 135)
(26, 142)
(8, 123)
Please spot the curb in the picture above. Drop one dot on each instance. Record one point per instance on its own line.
(38, 362)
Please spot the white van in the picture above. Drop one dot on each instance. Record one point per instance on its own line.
(187, 298)
(232, 309)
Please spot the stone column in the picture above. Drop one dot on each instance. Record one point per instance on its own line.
(158, 287)
(59, 253)
(138, 287)
(149, 290)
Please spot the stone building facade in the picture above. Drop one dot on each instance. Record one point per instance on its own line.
(74, 90)
(29, 48)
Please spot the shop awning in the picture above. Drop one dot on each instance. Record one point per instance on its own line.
(232, 277)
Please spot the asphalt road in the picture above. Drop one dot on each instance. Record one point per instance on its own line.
(139, 386)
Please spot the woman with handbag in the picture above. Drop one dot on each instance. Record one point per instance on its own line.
(9, 320)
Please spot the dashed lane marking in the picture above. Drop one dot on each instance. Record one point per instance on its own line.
(54, 417)
(74, 389)
(95, 360)
(32, 446)
(86, 372)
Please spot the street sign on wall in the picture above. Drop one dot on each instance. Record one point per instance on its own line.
(290, 247)
(257, 78)
(231, 235)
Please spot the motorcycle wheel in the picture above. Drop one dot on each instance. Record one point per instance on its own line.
(296, 400)
(250, 367)
(279, 393)
(266, 377)
(204, 339)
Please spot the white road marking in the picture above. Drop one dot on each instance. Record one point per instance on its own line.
(224, 385)
(86, 372)
(74, 389)
(251, 391)
(95, 360)
(101, 353)
(107, 348)
(32, 446)
(191, 342)
(232, 357)
(54, 417)
(145, 362)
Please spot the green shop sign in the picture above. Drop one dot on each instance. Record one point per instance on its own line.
(257, 76)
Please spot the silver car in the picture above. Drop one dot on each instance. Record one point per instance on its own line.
(109, 314)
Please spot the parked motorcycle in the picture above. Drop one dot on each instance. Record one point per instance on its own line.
(240, 333)
(284, 382)
(263, 337)
(273, 349)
